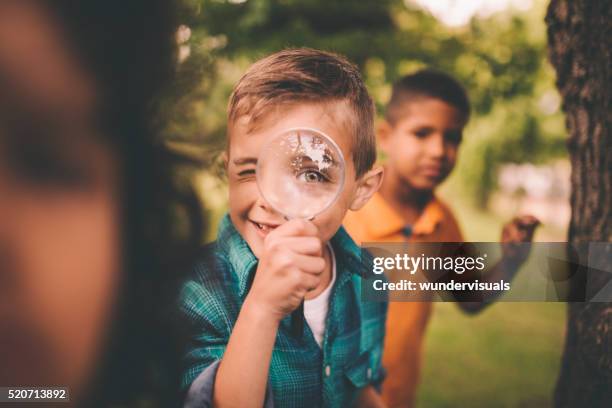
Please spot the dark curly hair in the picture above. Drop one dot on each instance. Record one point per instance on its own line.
(130, 48)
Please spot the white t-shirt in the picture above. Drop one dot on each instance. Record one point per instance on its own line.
(315, 309)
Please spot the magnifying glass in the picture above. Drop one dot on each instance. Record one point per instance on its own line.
(300, 174)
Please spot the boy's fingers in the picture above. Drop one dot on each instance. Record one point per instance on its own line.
(296, 227)
(520, 229)
(527, 228)
(510, 231)
(309, 282)
(301, 245)
(527, 221)
(313, 265)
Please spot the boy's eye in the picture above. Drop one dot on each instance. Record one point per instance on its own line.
(246, 173)
(312, 176)
(422, 133)
(453, 137)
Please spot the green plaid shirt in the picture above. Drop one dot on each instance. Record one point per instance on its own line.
(302, 374)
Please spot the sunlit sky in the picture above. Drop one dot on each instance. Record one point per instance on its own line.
(459, 12)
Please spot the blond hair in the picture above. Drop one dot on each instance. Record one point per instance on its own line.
(309, 76)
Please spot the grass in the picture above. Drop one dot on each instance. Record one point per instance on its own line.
(507, 356)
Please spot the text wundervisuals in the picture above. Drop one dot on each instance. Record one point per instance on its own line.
(406, 285)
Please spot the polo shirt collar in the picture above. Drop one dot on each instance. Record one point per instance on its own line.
(429, 220)
(381, 220)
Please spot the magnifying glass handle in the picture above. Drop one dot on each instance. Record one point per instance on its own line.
(297, 316)
(297, 321)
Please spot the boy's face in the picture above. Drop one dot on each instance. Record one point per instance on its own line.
(422, 145)
(250, 214)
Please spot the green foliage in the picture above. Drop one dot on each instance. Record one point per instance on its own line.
(501, 60)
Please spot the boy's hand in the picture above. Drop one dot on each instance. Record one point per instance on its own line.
(514, 233)
(290, 266)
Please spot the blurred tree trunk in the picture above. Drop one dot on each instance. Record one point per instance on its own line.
(580, 49)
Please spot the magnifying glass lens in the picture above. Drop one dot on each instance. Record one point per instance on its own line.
(300, 173)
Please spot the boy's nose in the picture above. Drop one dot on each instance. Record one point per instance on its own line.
(436, 147)
(263, 204)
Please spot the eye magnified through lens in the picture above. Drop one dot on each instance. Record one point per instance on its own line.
(300, 173)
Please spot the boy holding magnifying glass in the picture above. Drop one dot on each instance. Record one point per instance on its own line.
(262, 267)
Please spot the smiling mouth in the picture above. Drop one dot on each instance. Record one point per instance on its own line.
(432, 171)
(264, 227)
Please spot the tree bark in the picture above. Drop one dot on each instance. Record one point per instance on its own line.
(580, 49)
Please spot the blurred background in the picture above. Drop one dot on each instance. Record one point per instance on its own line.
(512, 160)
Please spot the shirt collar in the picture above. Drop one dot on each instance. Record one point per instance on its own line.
(237, 252)
(382, 220)
(430, 218)
(244, 262)
(349, 257)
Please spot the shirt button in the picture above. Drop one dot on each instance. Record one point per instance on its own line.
(369, 373)
(327, 371)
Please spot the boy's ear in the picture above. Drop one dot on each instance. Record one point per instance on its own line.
(367, 185)
(220, 165)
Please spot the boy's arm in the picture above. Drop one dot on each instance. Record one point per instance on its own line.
(243, 373)
(291, 265)
(207, 310)
(518, 231)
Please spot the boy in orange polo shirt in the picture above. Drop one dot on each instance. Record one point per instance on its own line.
(420, 136)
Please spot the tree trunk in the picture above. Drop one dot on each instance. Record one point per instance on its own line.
(580, 49)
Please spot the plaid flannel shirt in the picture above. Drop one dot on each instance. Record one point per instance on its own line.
(302, 374)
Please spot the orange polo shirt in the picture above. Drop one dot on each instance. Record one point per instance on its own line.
(406, 321)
